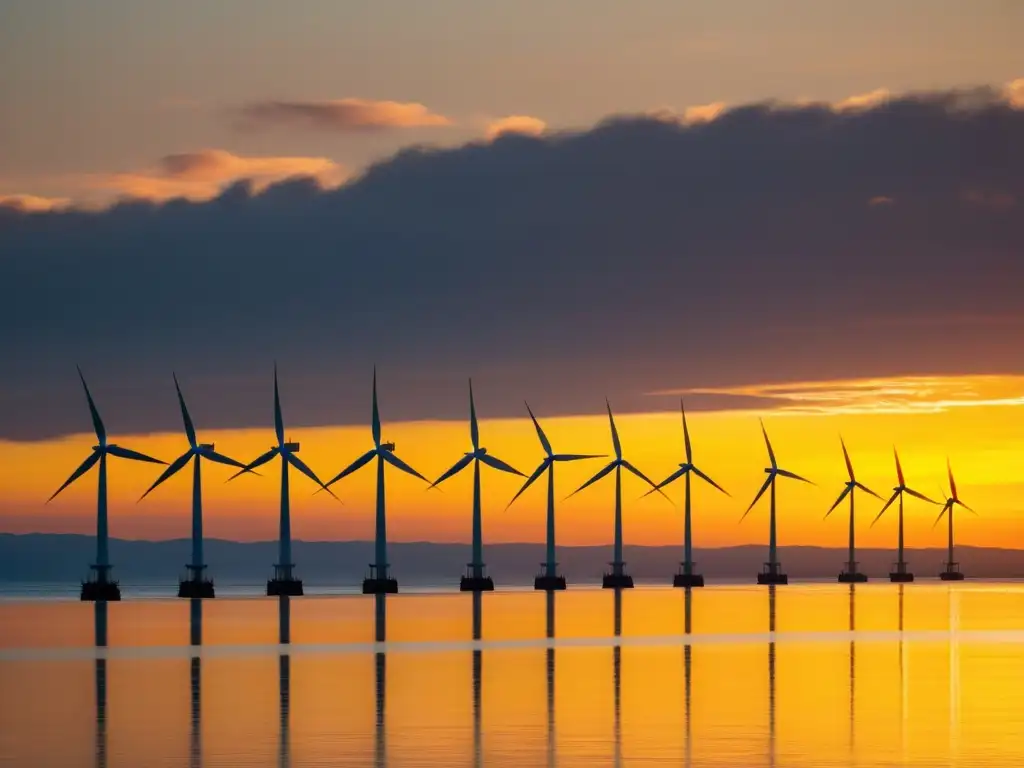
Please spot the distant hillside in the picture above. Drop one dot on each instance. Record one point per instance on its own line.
(65, 558)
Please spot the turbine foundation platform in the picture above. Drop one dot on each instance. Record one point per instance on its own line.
(476, 584)
(901, 577)
(772, 574)
(375, 586)
(475, 579)
(687, 580)
(852, 577)
(284, 588)
(549, 583)
(193, 588)
(617, 581)
(952, 573)
(100, 591)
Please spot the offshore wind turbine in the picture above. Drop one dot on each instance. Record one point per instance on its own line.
(901, 574)
(686, 577)
(379, 581)
(549, 579)
(195, 585)
(618, 578)
(952, 570)
(475, 579)
(100, 586)
(772, 571)
(851, 574)
(284, 582)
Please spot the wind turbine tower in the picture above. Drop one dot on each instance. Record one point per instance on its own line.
(618, 578)
(476, 578)
(379, 581)
(100, 586)
(952, 570)
(686, 577)
(900, 574)
(196, 585)
(284, 583)
(549, 579)
(851, 574)
(772, 571)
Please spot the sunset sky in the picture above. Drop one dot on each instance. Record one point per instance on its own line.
(796, 211)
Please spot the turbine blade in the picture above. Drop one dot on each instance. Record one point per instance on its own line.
(957, 501)
(921, 496)
(646, 479)
(577, 456)
(278, 419)
(97, 422)
(127, 453)
(601, 473)
(355, 465)
(396, 462)
(686, 433)
(867, 490)
(707, 479)
(615, 432)
(899, 469)
(457, 467)
(540, 432)
(84, 467)
(767, 442)
(947, 508)
(298, 463)
(849, 464)
(258, 462)
(767, 482)
(491, 461)
(375, 424)
(792, 476)
(843, 495)
(220, 458)
(668, 480)
(190, 430)
(173, 469)
(952, 482)
(474, 429)
(888, 504)
(529, 481)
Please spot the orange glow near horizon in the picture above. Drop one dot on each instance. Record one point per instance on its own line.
(985, 443)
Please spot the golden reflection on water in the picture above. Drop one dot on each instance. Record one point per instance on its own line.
(775, 703)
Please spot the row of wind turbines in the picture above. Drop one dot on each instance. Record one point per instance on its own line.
(100, 585)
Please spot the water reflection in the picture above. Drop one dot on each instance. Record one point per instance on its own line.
(195, 750)
(284, 679)
(617, 678)
(687, 673)
(100, 627)
(771, 675)
(380, 633)
(853, 664)
(478, 661)
(550, 675)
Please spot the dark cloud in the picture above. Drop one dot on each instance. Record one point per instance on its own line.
(341, 115)
(645, 254)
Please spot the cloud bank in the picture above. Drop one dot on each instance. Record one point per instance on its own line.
(638, 256)
(345, 115)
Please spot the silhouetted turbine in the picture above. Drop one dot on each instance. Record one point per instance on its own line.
(898, 491)
(851, 486)
(951, 502)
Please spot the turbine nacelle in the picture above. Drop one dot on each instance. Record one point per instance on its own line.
(389, 447)
(206, 446)
(290, 447)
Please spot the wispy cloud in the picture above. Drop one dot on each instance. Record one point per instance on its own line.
(868, 100)
(903, 394)
(203, 174)
(532, 126)
(345, 115)
(33, 203)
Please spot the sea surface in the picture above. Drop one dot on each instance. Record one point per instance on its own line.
(926, 674)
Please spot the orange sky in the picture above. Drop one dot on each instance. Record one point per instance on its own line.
(976, 421)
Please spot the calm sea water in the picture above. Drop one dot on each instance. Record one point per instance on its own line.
(928, 674)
